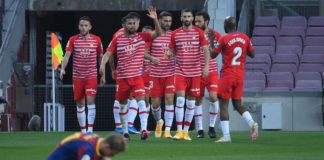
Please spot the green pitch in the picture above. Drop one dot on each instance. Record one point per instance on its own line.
(269, 146)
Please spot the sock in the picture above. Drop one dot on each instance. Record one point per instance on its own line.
(179, 111)
(198, 118)
(148, 107)
(168, 116)
(132, 112)
(91, 116)
(156, 113)
(143, 114)
(225, 129)
(189, 114)
(213, 111)
(82, 119)
(248, 118)
(116, 114)
(123, 117)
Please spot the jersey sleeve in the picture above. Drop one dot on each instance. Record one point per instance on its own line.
(172, 41)
(146, 37)
(112, 46)
(202, 38)
(85, 151)
(70, 45)
(219, 45)
(99, 47)
(250, 47)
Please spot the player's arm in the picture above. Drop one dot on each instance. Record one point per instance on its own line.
(65, 62)
(153, 15)
(207, 57)
(250, 49)
(112, 66)
(153, 59)
(216, 49)
(170, 53)
(104, 61)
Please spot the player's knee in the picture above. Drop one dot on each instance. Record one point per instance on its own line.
(199, 101)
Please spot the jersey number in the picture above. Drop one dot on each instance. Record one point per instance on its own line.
(238, 52)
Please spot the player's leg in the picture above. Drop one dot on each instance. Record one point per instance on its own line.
(148, 86)
(224, 117)
(169, 92)
(116, 111)
(91, 92)
(212, 88)
(224, 94)
(139, 93)
(237, 104)
(181, 85)
(132, 113)
(122, 94)
(156, 105)
(199, 117)
(191, 101)
(79, 97)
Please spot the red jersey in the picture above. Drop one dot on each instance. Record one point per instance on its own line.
(212, 62)
(186, 45)
(160, 46)
(85, 53)
(234, 47)
(130, 53)
(119, 32)
(147, 63)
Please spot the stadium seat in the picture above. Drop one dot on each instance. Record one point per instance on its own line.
(294, 21)
(267, 21)
(312, 58)
(308, 81)
(289, 49)
(314, 41)
(270, 50)
(295, 32)
(315, 32)
(254, 81)
(278, 67)
(316, 21)
(264, 45)
(266, 32)
(280, 81)
(313, 50)
(289, 41)
(285, 59)
(260, 63)
(311, 67)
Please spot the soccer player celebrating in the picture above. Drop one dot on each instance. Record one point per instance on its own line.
(186, 43)
(201, 20)
(162, 77)
(86, 48)
(132, 103)
(130, 54)
(88, 147)
(234, 47)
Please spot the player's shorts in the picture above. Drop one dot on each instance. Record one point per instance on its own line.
(147, 82)
(230, 87)
(211, 83)
(162, 86)
(191, 85)
(125, 86)
(84, 87)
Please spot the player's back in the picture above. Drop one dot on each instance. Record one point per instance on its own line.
(234, 47)
(75, 146)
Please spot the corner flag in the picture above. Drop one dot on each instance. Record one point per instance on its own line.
(57, 52)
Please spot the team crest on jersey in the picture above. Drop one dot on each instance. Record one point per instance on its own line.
(206, 37)
(194, 37)
(91, 44)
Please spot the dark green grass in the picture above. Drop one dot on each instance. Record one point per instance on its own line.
(269, 146)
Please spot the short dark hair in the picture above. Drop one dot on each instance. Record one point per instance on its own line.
(148, 27)
(85, 18)
(186, 10)
(125, 18)
(165, 14)
(204, 14)
(135, 15)
(116, 142)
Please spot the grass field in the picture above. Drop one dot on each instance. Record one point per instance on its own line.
(269, 146)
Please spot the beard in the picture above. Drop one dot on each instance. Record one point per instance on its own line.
(186, 23)
(166, 28)
(203, 27)
(131, 31)
(84, 33)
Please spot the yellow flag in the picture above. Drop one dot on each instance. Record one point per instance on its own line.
(57, 52)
